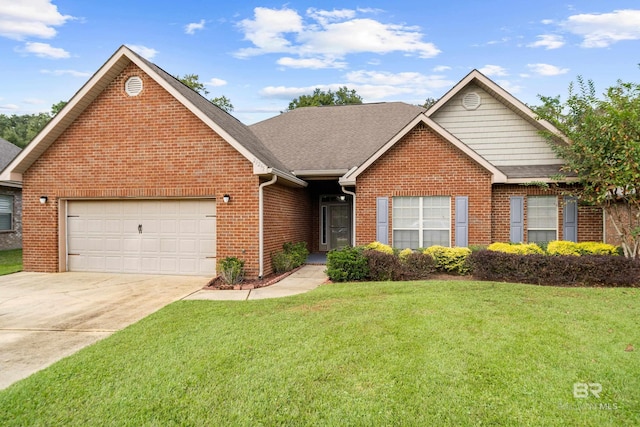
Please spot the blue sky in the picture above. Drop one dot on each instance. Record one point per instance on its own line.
(263, 54)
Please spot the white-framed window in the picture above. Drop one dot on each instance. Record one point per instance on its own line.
(542, 219)
(6, 213)
(420, 222)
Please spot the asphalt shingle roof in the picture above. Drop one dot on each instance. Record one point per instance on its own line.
(333, 137)
(8, 152)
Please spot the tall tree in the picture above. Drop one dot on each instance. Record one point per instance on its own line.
(429, 102)
(342, 96)
(193, 81)
(602, 149)
(21, 129)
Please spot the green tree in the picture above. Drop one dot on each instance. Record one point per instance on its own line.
(342, 96)
(193, 81)
(601, 147)
(21, 129)
(55, 108)
(429, 102)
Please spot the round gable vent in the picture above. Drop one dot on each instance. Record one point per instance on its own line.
(471, 101)
(133, 86)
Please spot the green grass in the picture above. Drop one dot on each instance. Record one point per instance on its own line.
(422, 353)
(10, 261)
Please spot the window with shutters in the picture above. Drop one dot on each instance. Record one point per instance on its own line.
(420, 222)
(6, 213)
(542, 219)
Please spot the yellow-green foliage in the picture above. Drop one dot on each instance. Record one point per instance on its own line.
(405, 253)
(519, 248)
(450, 260)
(597, 248)
(380, 247)
(563, 247)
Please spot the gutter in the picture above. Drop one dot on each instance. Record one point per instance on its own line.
(353, 215)
(261, 223)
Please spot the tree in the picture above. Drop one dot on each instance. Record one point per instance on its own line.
(55, 108)
(429, 102)
(193, 81)
(602, 149)
(342, 96)
(20, 130)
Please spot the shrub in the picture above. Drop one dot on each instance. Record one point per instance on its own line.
(563, 247)
(417, 266)
(560, 270)
(403, 254)
(231, 270)
(450, 260)
(382, 265)
(597, 248)
(516, 248)
(292, 255)
(347, 264)
(380, 247)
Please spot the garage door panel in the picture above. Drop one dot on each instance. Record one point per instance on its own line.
(177, 236)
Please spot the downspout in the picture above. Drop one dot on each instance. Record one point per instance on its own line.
(353, 215)
(261, 223)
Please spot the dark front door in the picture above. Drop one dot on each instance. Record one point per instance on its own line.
(335, 222)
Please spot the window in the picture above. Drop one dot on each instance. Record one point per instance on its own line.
(6, 213)
(420, 222)
(542, 218)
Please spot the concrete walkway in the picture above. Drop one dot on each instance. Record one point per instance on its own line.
(305, 279)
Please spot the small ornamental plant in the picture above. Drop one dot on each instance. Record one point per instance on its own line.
(231, 270)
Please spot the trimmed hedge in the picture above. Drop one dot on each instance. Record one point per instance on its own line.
(450, 260)
(560, 270)
(291, 256)
(516, 248)
(563, 247)
(347, 265)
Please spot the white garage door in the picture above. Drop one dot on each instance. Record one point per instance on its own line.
(142, 236)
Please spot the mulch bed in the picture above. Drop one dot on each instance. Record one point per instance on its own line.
(218, 284)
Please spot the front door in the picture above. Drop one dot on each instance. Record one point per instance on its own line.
(335, 222)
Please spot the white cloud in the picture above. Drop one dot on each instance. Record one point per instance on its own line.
(192, 27)
(326, 37)
(509, 87)
(547, 21)
(9, 107)
(548, 41)
(493, 70)
(44, 50)
(602, 30)
(441, 68)
(371, 85)
(145, 52)
(34, 101)
(546, 69)
(30, 18)
(72, 73)
(311, 63)
(216, 82)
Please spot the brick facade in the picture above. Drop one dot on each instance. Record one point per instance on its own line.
(423, 164)
(147, 146)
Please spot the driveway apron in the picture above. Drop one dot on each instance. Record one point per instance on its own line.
(45, 317)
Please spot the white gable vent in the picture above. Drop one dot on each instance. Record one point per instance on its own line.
(471, 101)
(133, 86)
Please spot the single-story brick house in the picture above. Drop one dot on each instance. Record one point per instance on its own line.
(10, 202)
(138, 173)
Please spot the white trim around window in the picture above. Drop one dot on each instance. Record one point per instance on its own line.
(542, 219)
(420, 222)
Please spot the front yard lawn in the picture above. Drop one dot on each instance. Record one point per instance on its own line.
(10, 261)
(417, 353)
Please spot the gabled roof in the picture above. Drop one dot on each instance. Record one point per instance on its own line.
(515, 173)
(497, 176)
(330, 140)
(8, 152)
(233, 131)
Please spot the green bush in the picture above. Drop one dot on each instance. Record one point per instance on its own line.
(516, 248)
(292, 255)
(450, 260)
(347, 264)
(231, 270)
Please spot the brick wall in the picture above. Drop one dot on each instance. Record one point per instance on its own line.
(589, 218)
(424, 164)
(287, 219)
(144, 146)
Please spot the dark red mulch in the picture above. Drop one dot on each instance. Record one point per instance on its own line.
(218, 284)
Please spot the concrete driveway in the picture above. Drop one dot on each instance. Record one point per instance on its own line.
(45, 317)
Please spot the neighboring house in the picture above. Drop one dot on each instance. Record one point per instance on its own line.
(10, 202)
(140, 174)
